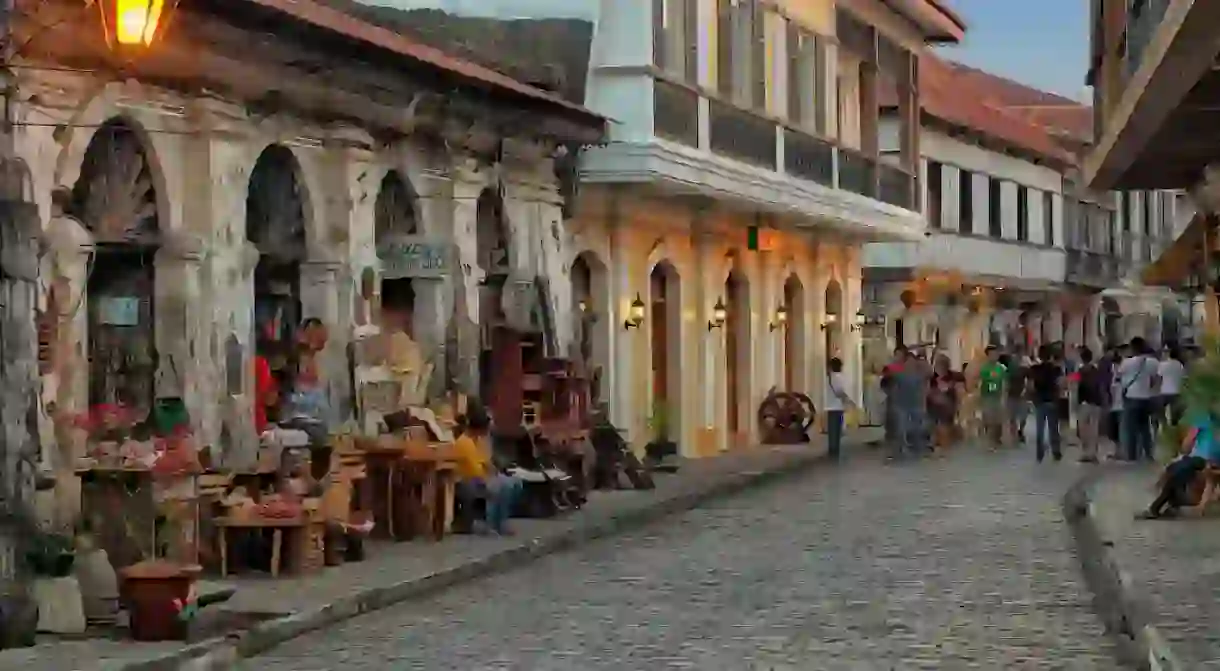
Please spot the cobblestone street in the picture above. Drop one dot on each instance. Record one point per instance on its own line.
(959, 563)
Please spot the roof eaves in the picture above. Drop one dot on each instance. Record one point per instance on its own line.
(351, 27)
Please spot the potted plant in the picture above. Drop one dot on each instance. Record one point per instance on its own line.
(662, 447)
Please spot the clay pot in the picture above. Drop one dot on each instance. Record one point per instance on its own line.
(150, 588)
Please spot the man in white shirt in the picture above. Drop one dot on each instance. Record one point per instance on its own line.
(1138, 376)
(836, 401)
(1172, 373)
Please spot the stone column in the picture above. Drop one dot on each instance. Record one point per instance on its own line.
(620, 266)
(321, 281)
(853, 342)
(462, 214)
(177, 333)
(815, 306)
(701, 398)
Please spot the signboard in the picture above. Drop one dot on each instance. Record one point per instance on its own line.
(413, 256)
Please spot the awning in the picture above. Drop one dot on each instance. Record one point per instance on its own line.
(1175, 265)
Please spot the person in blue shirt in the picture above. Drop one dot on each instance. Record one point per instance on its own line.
(1177, 483)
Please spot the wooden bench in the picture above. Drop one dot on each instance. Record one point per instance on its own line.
(304, 536)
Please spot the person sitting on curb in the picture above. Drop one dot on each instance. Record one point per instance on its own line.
(478, 477)
(1179, 482)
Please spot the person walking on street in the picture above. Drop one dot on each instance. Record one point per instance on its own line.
(1172, 372)
(992, 377)
(1139, 380)
(1093, 393)
(1046, 379)
(837, 403)
(909, 396)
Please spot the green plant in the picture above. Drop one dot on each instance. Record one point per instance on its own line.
(50, 555)
(658, 421)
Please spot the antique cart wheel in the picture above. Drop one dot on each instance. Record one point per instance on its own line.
(785, 417)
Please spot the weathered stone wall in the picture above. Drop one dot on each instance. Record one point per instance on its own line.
(201, 151)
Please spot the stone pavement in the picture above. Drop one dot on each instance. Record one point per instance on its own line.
(1173, 564)
(945, 564)
(395, 572)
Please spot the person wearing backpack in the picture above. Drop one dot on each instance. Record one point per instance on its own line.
(1139, 385)
(1093, 393)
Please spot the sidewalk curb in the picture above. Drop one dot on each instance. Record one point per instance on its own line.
(1119, 602)
(224, 652)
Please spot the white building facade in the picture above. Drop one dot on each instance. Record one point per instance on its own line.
(742, 176)
(1016, 254)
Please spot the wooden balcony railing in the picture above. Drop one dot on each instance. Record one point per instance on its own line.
(741, 135)
(750, 137)
(1093, 269)
(857, 173)
(896, 186)
(675, 113)
(809, 157)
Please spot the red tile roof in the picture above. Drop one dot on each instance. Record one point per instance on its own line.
(975, 101)
(349, 26)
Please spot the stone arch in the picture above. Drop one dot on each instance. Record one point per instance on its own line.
(738, 331)
(591, 308)
(310, 192)
(100, 110)
(834, 321)
(115, 197)
(795, 335)
(395, 220)
(277, 225)
(664, 324)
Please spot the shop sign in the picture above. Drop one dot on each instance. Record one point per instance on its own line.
(412, 256)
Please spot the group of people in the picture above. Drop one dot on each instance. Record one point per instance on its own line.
(1123, 397)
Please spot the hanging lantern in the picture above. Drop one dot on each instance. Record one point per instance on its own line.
(134, 23)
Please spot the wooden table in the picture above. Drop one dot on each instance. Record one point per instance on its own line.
(436, 479)
(278, 527)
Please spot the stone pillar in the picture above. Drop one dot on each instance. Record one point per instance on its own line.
(702, 397)
(462, 215)
(853, 342)
(624, 346)
(321, 281)
(178, 334)
(815, 306)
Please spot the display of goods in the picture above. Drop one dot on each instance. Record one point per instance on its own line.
(279, 509)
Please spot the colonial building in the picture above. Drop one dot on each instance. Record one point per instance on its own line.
(716, 242)
(1018, 252)
(1154, 82)
(265, 163)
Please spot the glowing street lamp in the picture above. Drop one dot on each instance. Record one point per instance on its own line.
(134, 23)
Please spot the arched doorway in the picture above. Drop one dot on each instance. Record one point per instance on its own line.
(394, 222)
(665, 338)
(115, 199)
(590, 298)
(833, 324)
(737, 345)
(794, 333)
(275, 225)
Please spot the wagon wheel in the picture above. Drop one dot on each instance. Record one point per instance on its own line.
(787, 413)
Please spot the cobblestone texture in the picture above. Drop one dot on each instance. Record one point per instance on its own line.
(1175, 564)
(960, 563)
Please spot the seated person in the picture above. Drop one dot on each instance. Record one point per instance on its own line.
(1177, 483)
(478, 477)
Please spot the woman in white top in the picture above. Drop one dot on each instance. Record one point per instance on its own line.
(1172, 373)
(836, 403)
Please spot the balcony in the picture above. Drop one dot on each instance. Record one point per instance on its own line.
(701, 142)
(986, 260)
(1092, 269)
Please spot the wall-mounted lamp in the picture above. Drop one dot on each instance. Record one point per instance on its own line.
(720, 314)
(635, 314)
(861, 320)
(781, 317)
(830, 320)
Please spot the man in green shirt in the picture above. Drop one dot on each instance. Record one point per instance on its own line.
(992, 378)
